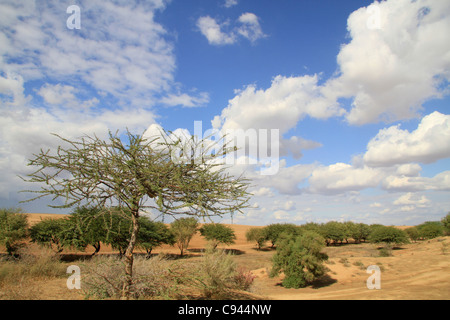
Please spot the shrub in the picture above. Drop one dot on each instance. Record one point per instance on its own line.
(413, 233)
(446, 224)
(244, 279)
(430, 229)
(300, 258)
(388, 235)
(13, 229)
(217, 274)
(103, 278)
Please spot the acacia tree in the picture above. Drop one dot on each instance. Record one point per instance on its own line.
(183, 230)
(217, 233)
(138, 173)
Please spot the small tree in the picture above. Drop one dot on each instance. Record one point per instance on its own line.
(153, 234)
(184, 229)
(52, 233)
(299, 258)
(257, 234)
(13, 229)
(390, 236)
(91, 226)
(217, 233)
(170, 174)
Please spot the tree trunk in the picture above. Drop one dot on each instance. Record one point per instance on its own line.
(129, 255)
(96, 247)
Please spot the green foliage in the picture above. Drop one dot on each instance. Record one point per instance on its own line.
(184, 229)
(430, 229)
(257, 234)
(446, 224)
(413, 233)
(310, 226)
(299, 258)
(91, 226)
(51, 233)
(218, 233)
(273, 231)
(388, 235)
(333, 232)
(153, 234)
(361, 231)
(13, 229)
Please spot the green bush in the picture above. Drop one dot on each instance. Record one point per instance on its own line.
(446, 224)
(153, 234)
(300, 259)
(51, 233)
(13, 229)
(388, 235)
(430, 229)
(413, 233)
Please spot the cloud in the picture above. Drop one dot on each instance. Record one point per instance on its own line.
(440, 182)
(213, 31)
(397, 59)
(341, 177)
(263, 192)
(230, 3)
(411, 199)
(428, 143)
(280, 107)
(186, 100)
(250, 27)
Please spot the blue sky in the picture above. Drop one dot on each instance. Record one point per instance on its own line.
(358, 90)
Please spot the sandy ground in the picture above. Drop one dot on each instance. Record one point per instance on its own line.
(415, 271)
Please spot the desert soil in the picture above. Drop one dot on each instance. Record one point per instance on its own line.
(415, 271)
